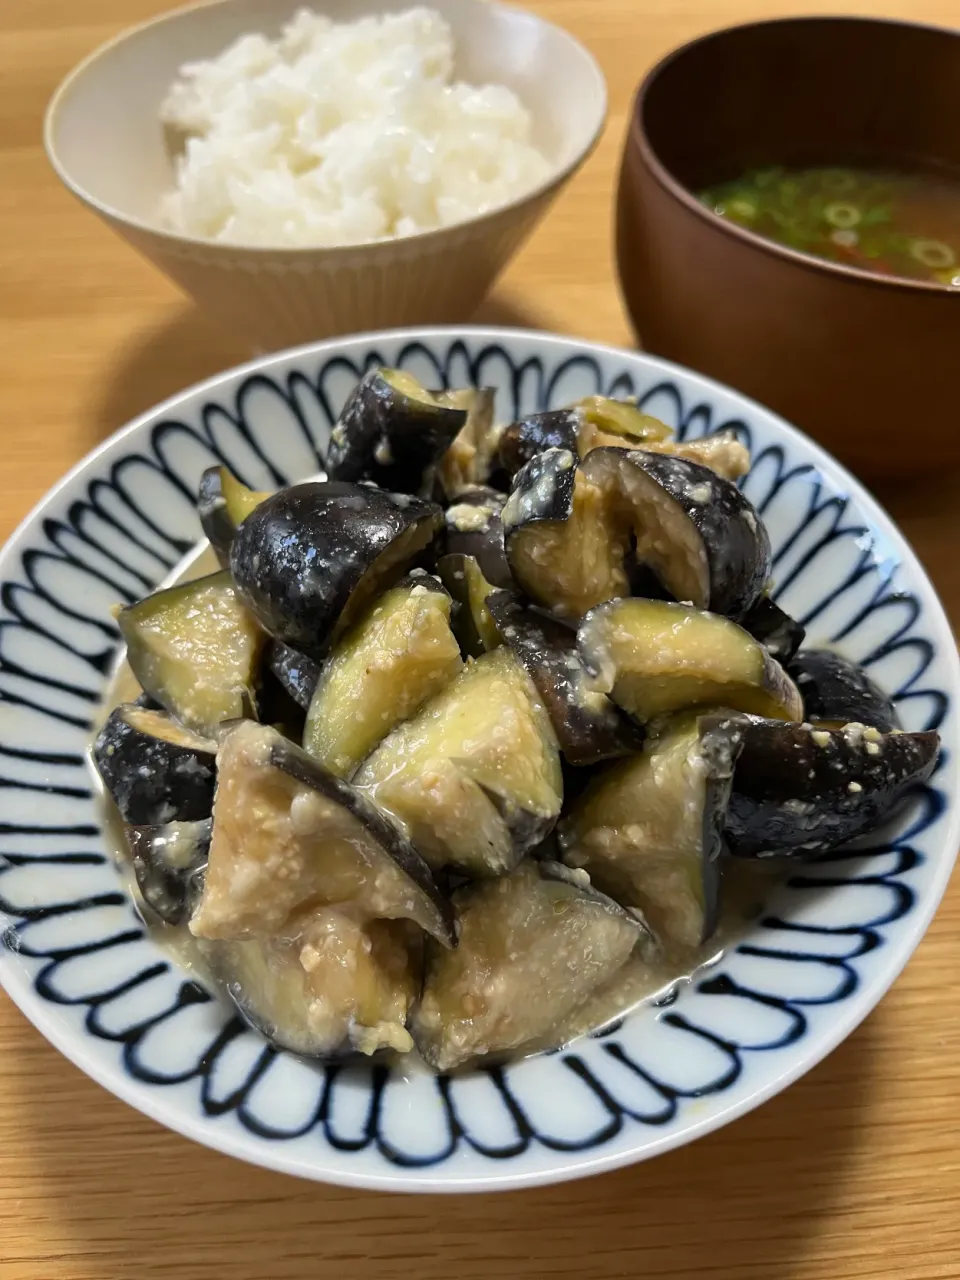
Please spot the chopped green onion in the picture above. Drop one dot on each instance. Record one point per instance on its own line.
(843, 215)
(932, 253)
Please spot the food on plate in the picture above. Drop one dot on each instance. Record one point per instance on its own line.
(836, 691)
(196, 650)
(654, 657)
(470, 764)
(801, 788)
(886, 222)
(532, 947)
(649, 830)
(309, 559)
(398, 655)
(339, 133)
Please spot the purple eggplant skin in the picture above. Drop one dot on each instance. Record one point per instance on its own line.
(297, 673)
(780, 634)
(837, 691)
(168, 862)
(802, 790)
(474, 528)
(542, 490)
(309, 558)
(728, 533)
(521, 441)
(588, 725)
(391, 437)
(155, 771)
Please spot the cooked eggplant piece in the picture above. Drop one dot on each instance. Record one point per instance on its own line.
(648, 829)
(802, 789)
(297, 673)
(222, 504)
(474, 528)
(196, 649)
(589, 727)
(598, 421)
(532, 948)
(169, 861)
(475, 776)
(328, 986)
(155, 770)
(397, 656)
(780, 634)
(471, 622)
(392, 431)
(566, 536)
(836, 691)
(654, 657)
(287, 834)
(696, 531)
(721, 451)
(522, 441)
(309, 559)
(470, 458)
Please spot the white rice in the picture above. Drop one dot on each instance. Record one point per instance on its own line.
(342, 133)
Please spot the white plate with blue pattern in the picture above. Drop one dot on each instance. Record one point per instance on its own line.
(78, 961)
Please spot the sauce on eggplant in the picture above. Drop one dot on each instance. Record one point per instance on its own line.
(642, 979)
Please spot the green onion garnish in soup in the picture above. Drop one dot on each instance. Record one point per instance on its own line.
(893, 224)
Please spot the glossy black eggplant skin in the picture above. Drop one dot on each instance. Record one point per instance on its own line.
(295, 762)
(799, 789)
(297, 673)
(474, 528)
(734, 541)
(168, 862)
(589, 727)
(151, 778)
(542, 490)
(780, 634)
(837, 691)
(521, 441)
(389, 437)
(299, 558)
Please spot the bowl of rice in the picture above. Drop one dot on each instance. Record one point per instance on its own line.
(303, 173)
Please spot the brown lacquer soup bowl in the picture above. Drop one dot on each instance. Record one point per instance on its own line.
(865, 363)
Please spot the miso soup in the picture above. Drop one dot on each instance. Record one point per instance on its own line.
(890, 223)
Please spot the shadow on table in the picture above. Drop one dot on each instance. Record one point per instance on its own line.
(188, 348)
(743, 1202)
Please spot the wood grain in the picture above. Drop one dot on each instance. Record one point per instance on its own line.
(855, 1171)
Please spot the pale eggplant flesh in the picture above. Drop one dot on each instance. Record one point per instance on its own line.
(196, 649)
(397, 656)
(474, 778)
(287, 834)
(649, 829)
(654, 657)
(802, 789)
(328, 987)
(533, 945)
(696, 531)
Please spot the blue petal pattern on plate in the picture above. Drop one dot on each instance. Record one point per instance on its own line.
(72, 930)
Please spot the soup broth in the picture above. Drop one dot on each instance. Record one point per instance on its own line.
(882, 221)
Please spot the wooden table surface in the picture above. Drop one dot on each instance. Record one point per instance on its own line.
(854, 1171)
